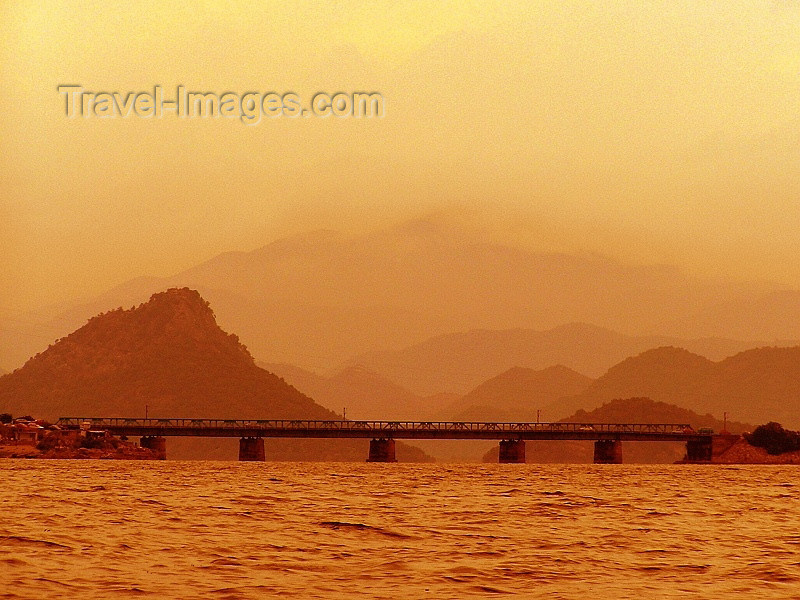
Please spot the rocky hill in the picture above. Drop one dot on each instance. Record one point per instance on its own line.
(167, 356)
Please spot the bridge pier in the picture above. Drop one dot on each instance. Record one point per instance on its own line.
(512, 451)
(608, 452)
(381, 450)
(699, 450)
(156, 443)
(251, 449)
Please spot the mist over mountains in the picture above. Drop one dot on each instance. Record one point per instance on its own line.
(320, 299)
(458, 362)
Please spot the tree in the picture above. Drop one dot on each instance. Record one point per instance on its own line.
(6, 418)
(774, 438)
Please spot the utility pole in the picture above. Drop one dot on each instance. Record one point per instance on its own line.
(344, 413)
(145, 410)
(538, 412)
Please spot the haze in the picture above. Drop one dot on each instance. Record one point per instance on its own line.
(659, 132)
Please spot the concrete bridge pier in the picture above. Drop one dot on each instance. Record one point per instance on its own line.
(155, 443)
(608, 452)
(251, 449)
(700, 450)
(512, 451)
(381, 450)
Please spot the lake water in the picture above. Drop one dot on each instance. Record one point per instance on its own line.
(97, 529)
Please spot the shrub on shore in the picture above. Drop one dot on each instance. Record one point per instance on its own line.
(774, 438)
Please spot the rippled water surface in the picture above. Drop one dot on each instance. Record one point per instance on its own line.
(97, 529)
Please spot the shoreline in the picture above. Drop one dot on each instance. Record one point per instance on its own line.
(28, 451)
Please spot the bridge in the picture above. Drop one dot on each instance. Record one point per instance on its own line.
(608, 437)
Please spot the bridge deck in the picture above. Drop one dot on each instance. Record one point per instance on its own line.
(463, 430)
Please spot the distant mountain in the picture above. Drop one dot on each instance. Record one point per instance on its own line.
(517, 394)
(363, 394)
(756, 386)
(459, 362)
(629, 410)
(319, 298)
(167, 356)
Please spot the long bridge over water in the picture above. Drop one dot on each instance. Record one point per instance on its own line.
(607, 437)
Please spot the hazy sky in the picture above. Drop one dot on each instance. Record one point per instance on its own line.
(654, 131)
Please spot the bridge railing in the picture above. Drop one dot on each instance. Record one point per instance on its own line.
(377, 426)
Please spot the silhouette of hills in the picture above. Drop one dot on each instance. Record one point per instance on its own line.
(517, 394)
(170, 356)
(646, 410)
(364, 394)
(627, 410)
(757, 385)
(318, 298)
(459, 362)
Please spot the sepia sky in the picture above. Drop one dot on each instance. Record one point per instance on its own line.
(657, 132)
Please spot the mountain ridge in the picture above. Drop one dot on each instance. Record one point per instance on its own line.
(458, 362)
(315, 299)
(755, 385)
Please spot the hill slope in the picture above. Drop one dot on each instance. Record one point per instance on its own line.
(517, 394)
(756, 386)
(363, 393)
(167, 354)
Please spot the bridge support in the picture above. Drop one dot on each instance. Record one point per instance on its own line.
(156, 443)
(251, 449)
(381, 450)
(699, 450)
(608, 452)
(512, 451)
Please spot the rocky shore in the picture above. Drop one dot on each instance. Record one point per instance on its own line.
(742, 453)
(9, 449)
